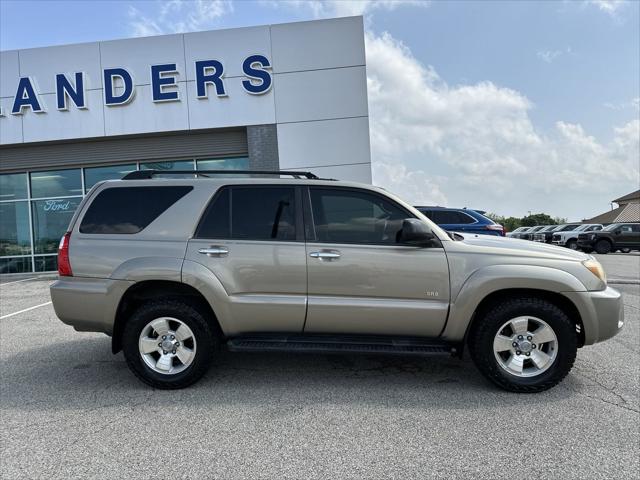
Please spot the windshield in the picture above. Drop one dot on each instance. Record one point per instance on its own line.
(583, 227)
(611, 227)
(568, 228)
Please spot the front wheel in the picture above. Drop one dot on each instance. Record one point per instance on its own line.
(603, 246)
(572, 244)
(524, 344)
(168, 344)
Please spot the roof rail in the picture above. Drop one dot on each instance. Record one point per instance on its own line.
(148, 174)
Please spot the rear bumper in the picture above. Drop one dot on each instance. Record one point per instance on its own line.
(602, 313)
(88, 304)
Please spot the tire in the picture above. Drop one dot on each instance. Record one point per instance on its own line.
(572, 244)
(625, 250)
(200, 340)
(561, 354)
(603, 247)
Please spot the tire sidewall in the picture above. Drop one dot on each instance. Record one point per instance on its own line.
(205, 343)
(483, 353)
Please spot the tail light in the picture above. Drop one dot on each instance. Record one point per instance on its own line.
(496, 227)
(64, 266)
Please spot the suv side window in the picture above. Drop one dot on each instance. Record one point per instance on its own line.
(250, 213)
(352, 216)
(626, 228)
(129, 210)
(450, 217)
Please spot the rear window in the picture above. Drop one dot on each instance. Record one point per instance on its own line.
(129, 210)
(449, 217)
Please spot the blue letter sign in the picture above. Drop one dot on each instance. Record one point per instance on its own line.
(110, 97)
(159, 79)
(254, 68)
(64, 91)
(25, 97)
(209, 72)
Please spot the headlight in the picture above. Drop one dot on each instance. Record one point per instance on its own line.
(594, 267)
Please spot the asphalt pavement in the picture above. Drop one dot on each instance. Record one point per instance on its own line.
(71, 409)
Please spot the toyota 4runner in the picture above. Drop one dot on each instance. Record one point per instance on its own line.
(173, 269)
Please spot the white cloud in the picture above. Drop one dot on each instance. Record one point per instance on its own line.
(483, 137)
(344, 8)
(633, 104)
(548, 55)
(177, 16)
(611, 7)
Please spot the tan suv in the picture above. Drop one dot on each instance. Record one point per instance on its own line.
(174, 269)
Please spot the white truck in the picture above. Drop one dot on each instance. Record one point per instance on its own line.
(569, 238)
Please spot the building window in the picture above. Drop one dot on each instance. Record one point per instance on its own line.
(56, 183)
(13, 186)
(15, 265)
(239, 163)
(98, 174)
(50, 221)
(46, 263)
(15, 237)
(167, 166)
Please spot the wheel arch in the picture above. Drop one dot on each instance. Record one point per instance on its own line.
(556, 298)
(146, 290)
(494, 282)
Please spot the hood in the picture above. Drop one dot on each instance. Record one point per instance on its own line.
(514, 246)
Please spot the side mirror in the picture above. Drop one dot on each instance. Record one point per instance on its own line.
(415, 232)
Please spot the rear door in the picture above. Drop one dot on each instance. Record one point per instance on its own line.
(251, 238)
(361, 280)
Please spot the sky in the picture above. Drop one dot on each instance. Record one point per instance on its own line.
(504, 106)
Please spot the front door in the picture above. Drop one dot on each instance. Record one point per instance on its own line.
(360, 279)
(251, 238)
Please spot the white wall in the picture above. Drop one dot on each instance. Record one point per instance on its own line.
(318, 99)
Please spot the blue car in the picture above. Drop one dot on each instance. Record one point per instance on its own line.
(463, 220)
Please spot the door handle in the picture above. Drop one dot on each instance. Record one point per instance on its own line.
(326, 254)
(214, 251)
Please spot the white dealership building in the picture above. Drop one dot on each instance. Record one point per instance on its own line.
(288, 96)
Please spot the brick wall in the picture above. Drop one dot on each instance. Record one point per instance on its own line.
(262, 143)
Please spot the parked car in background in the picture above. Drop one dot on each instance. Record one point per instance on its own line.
(569, 236)
(545, 234)
(517, 232)
(528, 235)
(617, 236)
(463, 220)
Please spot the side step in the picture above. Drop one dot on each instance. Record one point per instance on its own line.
(340, 344)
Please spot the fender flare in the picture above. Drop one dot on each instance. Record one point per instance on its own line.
(494, 278)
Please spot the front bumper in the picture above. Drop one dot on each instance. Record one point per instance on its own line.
(88, 304)
(602, 313)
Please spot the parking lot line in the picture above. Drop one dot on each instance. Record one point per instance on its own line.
(24, 310)
(18, 281)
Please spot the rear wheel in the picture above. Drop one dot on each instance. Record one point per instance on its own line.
(625, 250)
(603, 246)
(168, 344)
(572, 244)
(524, 344)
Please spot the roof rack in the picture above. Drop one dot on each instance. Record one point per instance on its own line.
(148, 174)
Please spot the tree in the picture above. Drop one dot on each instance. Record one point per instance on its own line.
(511, 223)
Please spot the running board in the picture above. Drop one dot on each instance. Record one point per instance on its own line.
(339, 344)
